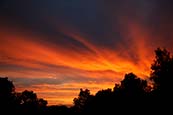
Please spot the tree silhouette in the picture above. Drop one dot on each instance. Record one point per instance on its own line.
(102, 101)
(42, 102)
(6, 94)
(29, 101)
(162, 78)
(28, 97)
(132, 93)
(83, 99)
(6, 88)
(162, 71)
(133, 86)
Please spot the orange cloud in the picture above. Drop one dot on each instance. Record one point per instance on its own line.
(56, 72)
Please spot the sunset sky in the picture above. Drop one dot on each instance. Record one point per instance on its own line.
(56, 47)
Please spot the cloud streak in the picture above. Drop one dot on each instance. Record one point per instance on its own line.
(31, 62)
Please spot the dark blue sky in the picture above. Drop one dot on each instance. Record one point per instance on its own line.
(100, 19)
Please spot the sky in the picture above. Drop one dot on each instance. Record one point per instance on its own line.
(57, 47)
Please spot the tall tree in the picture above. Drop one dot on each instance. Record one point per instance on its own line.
(162, 71)
(6, 88)
(6, 94)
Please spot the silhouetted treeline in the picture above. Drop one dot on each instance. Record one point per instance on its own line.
(132, 95)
